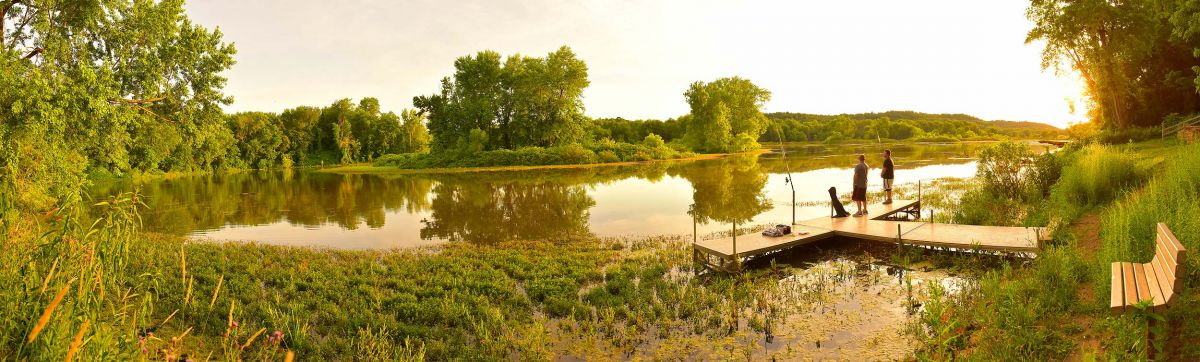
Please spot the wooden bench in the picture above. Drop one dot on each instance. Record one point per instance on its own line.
(1158, 281)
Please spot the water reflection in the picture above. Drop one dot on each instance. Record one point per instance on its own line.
(404, 210)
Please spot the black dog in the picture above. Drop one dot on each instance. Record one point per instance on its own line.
(837, 204)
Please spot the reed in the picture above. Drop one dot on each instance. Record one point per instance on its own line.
(252, 337)
(49, 275)
(78, 341)
(213, 301)
(187, 297)
(46, 314)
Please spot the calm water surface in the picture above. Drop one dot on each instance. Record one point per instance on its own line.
(354, 211)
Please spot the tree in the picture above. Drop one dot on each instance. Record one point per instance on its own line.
(259, 136)
(525, 101)
(300, 127)
(83, 82)
(722, 111)
(1135, 66)
(415, 137)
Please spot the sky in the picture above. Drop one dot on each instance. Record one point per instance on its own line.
(824, 57)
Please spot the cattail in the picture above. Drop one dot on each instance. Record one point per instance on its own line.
(75, 344)
(48, 276)
(46, 314)
(215, 291)
(289, 356)
(247, 344)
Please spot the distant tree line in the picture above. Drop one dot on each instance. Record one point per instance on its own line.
(803, 127)
(342, 132)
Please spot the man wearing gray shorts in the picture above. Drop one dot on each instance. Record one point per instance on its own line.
(888, 174)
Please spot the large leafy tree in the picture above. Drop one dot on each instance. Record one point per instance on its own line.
(83, 84)
(524, 101)
(725, 113)
(300, 128)
(1136, 68)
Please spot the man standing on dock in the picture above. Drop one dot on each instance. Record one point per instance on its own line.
(888, 174)
(859, 196)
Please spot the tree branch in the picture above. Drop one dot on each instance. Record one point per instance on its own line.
(3, 15)
(136, 101)
(34, 52)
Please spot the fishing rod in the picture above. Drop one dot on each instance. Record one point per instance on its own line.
(786, 167)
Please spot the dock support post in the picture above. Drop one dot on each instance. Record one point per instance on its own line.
(692, 210)
(899, 241)
(736, 261)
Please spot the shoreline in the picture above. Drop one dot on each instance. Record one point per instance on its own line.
(366, 168)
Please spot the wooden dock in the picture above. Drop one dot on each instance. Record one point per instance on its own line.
(886, 223)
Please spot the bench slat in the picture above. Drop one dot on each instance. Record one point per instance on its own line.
(1163, 253)
(1117, 302)
(1176, 255)
(1163, 267)
(1166, 280)
(1143, 282)
(1131, 296)
(1153, 284)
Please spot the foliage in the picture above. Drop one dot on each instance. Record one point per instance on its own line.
(259, 136)
(1135, 57)
(570, 154)
(722, 111)
(632, 131)
(522, 101)
(1001, 168)
(108, 86)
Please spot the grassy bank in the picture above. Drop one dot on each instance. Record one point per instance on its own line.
(1056, 305)
(604, 151)
(374, 169)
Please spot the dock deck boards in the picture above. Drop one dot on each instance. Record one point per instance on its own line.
(875, 227)
(995, 238)
(755, 243)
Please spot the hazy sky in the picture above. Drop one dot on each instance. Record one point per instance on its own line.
(814, 56)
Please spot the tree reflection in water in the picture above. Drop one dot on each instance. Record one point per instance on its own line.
(487, 207)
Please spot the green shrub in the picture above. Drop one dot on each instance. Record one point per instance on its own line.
(1001, 168)
(744, 142)
(653, 141)
(1043, 174)
(835, 137)
(607, 156)
(981, 206)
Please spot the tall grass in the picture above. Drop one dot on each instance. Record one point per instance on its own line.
(1096, 175)
(1128, 228)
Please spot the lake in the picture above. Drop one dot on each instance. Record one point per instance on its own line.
(403, 210)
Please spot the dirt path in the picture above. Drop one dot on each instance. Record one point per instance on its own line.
(1086, 230)
(1087, 234)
